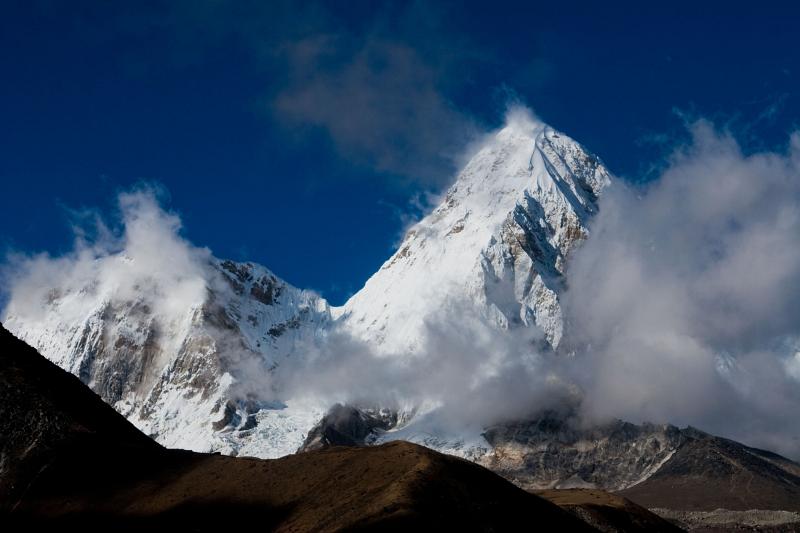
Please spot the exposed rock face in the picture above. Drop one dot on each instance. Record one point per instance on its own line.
(708, 473)
(553, 452)
(186, 377)
(653, 465)
(344, 425)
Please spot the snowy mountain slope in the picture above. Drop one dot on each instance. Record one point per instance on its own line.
(196, 376)
(186, 349)
(499, 239)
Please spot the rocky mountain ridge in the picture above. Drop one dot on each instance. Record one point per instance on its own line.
(656, 466)
(198, 378)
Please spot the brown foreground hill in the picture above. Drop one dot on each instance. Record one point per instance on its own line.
(696, 472)
(608, 512)
(69, 460)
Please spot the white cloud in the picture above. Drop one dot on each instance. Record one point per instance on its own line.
(698, 271)
(473, 373)
(148, 261)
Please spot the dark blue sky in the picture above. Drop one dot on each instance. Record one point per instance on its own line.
(300, 137)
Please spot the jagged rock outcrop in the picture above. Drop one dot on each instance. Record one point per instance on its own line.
(344, 425)
(556, 452)
(195, 376)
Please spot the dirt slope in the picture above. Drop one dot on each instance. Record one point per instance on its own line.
(68, 460)
(608, 512)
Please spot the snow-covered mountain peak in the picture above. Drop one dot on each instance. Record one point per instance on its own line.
(499, 239)
(186, 345)
(186, 355)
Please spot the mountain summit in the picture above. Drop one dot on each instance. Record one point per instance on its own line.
(499, 238)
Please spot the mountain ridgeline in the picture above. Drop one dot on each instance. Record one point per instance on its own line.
(69, 461)
(200, 376)
(205, 375)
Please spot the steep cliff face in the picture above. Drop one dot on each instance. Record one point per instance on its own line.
(498, 239)
(198, 376)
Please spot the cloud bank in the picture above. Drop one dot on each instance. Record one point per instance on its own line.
(684, 303)
(468, 372)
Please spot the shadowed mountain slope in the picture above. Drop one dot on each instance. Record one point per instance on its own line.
(653, 465)
(47, 415)
(69, 460)
(608, 512)
(708, 472)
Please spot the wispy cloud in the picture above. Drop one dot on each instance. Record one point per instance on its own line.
(376, 84)
(381, 105)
